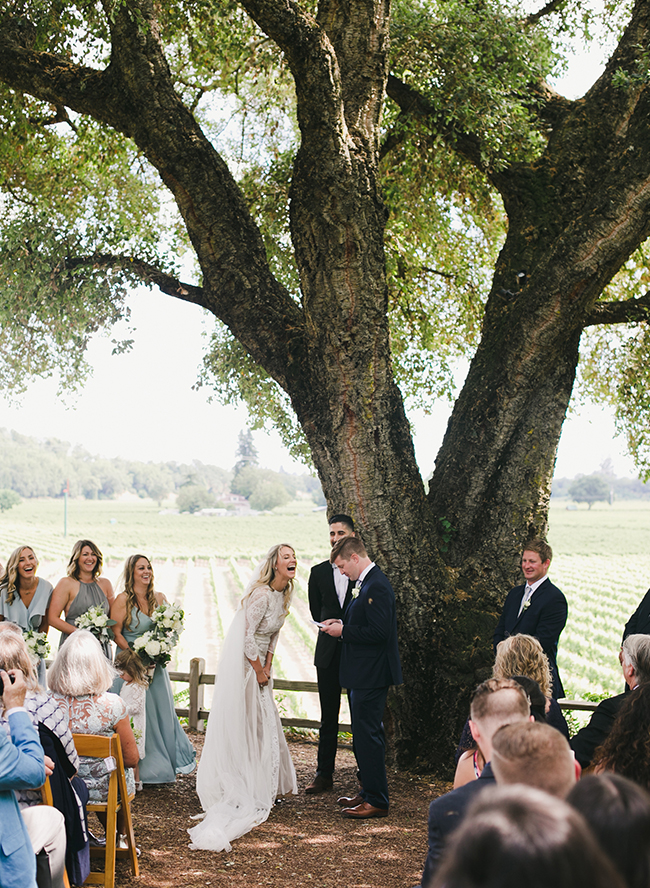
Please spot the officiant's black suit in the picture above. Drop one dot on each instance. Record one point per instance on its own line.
(544, 618)
(324, 605)
(369, 665)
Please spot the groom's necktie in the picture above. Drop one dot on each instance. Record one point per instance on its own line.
(524, 599)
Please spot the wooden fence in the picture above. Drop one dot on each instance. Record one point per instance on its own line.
(197, 679)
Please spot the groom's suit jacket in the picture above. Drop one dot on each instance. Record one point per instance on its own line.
(370, 656)
(544, 618)
(639, 622)
(324, 604)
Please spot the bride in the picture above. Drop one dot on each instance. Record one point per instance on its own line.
(245, 762)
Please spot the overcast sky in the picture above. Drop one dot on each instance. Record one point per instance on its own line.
(141, 405)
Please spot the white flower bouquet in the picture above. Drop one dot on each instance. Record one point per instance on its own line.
(37, 644)
(156, 645)
(97, 622)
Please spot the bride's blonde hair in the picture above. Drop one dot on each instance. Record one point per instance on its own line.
(265, 574)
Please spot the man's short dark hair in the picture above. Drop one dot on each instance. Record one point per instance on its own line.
(346, 547)
(541, 547)
(342, 519)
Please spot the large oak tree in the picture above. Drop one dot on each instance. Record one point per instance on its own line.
(96, 97)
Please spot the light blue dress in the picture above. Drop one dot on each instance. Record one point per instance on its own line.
(89, 595)
(168, 751)
(29, 617)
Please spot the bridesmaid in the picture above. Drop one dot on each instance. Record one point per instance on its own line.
(81, 589)
(168, 751)
(24, 596)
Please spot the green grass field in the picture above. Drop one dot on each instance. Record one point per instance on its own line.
(602, 563)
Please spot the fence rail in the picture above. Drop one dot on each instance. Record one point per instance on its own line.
(198, 679)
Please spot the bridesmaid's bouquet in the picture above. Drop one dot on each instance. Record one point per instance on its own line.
(97, 622)
(156, 645)
(37, 644)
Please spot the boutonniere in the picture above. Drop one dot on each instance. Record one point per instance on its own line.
(527, 605)
(356, 589)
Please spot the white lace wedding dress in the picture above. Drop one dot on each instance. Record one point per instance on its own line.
(245, 762)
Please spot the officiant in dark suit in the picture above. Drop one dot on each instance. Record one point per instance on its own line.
(369, 665)
(330, 592)
(536, 608)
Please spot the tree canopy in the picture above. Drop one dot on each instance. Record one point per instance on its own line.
(367, 194)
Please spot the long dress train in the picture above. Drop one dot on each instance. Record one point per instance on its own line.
(245, 763)
(168, 751)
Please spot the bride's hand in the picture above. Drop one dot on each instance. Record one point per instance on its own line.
(262, 678)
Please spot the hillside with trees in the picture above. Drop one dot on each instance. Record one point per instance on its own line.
(33, 467)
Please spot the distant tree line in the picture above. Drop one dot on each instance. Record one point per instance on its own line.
(600, 486)
(33, 467)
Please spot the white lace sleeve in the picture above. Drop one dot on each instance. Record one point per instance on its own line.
(273, 641)
(255, 608)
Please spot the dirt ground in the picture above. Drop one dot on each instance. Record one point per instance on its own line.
(305, 841)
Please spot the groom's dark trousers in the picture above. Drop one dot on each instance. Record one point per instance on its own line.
(369, 665)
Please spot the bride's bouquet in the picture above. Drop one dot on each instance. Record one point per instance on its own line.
(37, 644)
(156, 645)
(97, 622)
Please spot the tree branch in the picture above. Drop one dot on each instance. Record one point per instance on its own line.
(145, 271)
(413, 103)
(630, 311)
(550, 7)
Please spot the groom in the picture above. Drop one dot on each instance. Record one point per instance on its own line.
(369, 665)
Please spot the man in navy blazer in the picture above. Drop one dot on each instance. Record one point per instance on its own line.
(536, 608)
(330, 592)
(369, 665)
(22, 766)
(495, 703)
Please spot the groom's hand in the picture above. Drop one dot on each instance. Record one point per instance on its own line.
(332, 627)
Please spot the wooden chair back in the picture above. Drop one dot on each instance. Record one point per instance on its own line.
(46, 796)
(101, 746)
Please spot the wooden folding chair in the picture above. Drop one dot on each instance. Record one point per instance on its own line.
(98, 746)
(46, 796)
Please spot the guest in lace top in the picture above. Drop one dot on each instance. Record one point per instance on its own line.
(79, 679)
(41, 707)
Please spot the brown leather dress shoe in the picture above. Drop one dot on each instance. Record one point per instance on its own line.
(364, 810)
(320, 783)
(349, 801)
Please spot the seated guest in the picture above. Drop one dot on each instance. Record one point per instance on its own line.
(56, 738)
(618, 812)
(79, 679)
(517, 655)
(516, 836)
(534, 754)
(626, 747)
(471, 763)
(635, 661)
(494, 703)
(22, 766)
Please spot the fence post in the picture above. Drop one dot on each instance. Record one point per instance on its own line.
(197, 665)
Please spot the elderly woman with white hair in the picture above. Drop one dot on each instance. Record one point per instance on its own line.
(79, 680)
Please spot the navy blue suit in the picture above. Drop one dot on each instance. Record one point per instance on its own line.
(324, 604)
(446, 813)
(369, 665)
(639, 622)
(586, 741)
(545, 618)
